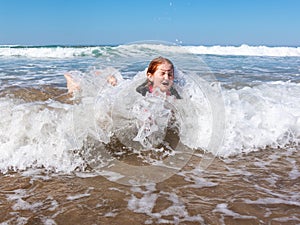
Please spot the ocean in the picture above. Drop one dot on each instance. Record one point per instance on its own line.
(227, 152)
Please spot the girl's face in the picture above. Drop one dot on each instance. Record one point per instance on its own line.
(163, 77)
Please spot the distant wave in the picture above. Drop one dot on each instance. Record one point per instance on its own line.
(246, 50)
(51, 51)
(56, 51)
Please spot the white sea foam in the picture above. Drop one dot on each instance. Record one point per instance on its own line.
(35, 135)
(133, 49)
(48, 52)
(75, 197)
(264, 115)
(245, 50)
(176, 211)
(43, 134)
(264, 201)
(21, 204)
(223, 208)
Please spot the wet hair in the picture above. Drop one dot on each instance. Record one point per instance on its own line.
(144, 87)
(156, 62)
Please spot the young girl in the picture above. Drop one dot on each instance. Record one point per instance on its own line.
(160, 75)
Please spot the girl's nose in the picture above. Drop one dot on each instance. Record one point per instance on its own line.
(166, 76)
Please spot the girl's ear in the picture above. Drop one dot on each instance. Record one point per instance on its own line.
(150, 77)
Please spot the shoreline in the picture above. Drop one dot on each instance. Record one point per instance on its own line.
(236, 191)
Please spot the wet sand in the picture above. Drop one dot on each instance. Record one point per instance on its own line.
(34, 94)
(258, 188)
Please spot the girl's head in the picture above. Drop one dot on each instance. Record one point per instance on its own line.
(160, 73)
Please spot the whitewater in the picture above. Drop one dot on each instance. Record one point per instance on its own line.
(237, 127)
(260, 93)
(75, 51)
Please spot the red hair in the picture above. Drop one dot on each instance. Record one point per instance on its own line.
(156, 62)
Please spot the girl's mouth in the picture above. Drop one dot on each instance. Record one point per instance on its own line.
(165, 83)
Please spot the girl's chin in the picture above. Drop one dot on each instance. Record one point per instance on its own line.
(164, 89)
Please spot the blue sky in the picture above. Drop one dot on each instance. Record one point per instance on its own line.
(196, 22)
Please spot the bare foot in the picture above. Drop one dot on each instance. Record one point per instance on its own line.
(72, 85)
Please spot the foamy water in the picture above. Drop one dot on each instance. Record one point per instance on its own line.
(239, 104)
(102, 51)
(256, 106)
